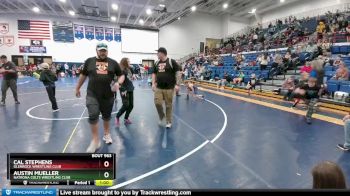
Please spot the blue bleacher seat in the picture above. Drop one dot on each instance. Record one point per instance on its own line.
(344, 87)
(328, 68)
(335, 50)
(333, 85)
(343, 49)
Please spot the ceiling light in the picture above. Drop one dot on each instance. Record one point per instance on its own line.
(114, 6)
(36, 9)
(71, 12)
(253, 11)
(179, 18)
(113, 18)
(225, 5)
(282, 1)
(148, 11)
(63, 1)
(161, 5)
(193, 8)
(141, 21)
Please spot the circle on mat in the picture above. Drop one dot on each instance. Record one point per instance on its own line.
(73, 106)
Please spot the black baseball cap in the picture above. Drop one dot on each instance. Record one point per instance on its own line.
(3, 57)
(162, 50)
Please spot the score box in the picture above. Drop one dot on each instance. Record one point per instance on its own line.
(39, 168)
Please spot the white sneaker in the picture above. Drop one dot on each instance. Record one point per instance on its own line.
(93, 147)
(107, 138)
(168, 125)
(56, 110)
(162, 122)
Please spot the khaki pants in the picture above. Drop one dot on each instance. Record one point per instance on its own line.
(166, 95)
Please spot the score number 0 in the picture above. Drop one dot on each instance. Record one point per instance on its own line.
(106, 164)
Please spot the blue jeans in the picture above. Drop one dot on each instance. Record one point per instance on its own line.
(347, 133)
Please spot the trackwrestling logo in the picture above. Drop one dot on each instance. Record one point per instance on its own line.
(28, 192)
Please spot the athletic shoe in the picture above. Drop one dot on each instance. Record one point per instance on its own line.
(343, 148)
(308, 120)
(107, 138)
(117, 122)
(56, 110)
(127, 122)
(162, 122)
(2, 103)
(178, 95)
(93, 147)
(168, 126)
(17, 102)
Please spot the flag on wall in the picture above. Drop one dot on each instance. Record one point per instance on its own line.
(34, 29)
(90, 32)
(117, 35)
(100, 34)
(79, 31)
(109, 34)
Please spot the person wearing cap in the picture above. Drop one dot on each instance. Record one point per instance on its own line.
(49, 78)
(9, 70)
(101, 71)
(166, 77)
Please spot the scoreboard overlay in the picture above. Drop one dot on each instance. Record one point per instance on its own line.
(60, 169)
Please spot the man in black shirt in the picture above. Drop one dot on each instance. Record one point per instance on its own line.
(166, 77)
(8, 69)
(101, 71)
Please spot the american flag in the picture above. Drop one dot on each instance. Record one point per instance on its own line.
(34, 29)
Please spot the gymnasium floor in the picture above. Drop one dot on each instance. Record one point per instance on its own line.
(218, 143)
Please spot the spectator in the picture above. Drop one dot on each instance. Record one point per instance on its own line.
(342, 72)
(337, 62)
(320, 30)
(306, 68)
(239, 79)
(265, 60)
(287, 88)
(328, 175)
(346, 145)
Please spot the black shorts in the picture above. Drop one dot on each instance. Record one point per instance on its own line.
(96, 106)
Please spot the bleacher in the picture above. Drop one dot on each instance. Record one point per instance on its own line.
(340, 49)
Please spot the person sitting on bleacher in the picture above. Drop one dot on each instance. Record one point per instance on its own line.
(277, 63)
(310, 92)
(312, 50)
(265, 59)
(239, 79)
(288, 88)
(337, 61)
(240, 59)
(287, 60)
(306, 68)
(342, 72)
(252, 83)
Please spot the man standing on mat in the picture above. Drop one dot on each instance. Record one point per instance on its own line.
(8, 69)
(166, 77)
(101, 71)
(346, 145)
(49, 78)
